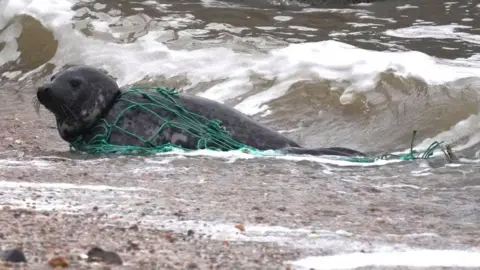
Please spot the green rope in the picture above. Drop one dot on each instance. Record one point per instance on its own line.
(211, 134)
(412, 155)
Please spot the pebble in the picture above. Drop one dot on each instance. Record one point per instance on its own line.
(134, 227)
(133, 245)
(97, 254)
(169, 236)
(58, 261)
(191, 265)
(259, 218)
(240, 227)
(13, 255)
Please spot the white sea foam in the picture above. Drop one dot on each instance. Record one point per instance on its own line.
(218, 4)
(282, 18)
(232, 156)
(60, 186)
(224, 27)
(302, 28)
(10, 51)
(407, 6)
(468, 129)
(451, 31)
(332, 10)
(362, 4)
(39, 164)
(413, 258)
(356, 24)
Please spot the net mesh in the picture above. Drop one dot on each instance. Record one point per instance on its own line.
(211, 134)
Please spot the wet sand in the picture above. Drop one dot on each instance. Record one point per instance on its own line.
(56, 234)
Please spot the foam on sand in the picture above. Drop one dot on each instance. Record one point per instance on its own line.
(413, 258)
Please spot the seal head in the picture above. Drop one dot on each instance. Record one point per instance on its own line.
(78, 97)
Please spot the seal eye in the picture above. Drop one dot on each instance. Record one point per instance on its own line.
(75, 83)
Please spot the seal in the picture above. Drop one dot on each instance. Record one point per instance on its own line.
(81, 95)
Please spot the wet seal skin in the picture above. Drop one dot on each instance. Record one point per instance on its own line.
(79, 96)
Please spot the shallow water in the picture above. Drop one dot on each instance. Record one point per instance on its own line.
(362, 76)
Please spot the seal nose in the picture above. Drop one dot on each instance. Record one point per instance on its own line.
(44, 93)
(43, 89)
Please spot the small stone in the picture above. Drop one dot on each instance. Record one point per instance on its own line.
(380, 220)
(134, 227)
(240, 227)
(169, 237)
(58, 261)
(190, 232)
(191, 265)
(133, 245)
(18, 141)
(282, 208)
(97, 254)
(179, 213)
(95, 208)
(259, 218)
(373, 190)
(13, 255)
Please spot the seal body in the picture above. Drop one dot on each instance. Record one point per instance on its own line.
(80, 96)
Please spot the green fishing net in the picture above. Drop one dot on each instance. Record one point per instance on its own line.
(210, 133)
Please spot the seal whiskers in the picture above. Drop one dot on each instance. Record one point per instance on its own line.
(36, 104)
(69, 113)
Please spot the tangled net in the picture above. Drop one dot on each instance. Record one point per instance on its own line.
(211, 134)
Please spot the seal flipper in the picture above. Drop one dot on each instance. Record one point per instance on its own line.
(334, 151)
